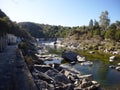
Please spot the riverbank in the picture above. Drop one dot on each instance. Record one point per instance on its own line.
(56, 76)
(98, 55)
(90, 54)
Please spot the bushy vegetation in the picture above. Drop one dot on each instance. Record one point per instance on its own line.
(29, 50)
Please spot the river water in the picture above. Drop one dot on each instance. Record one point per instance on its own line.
(108, 78)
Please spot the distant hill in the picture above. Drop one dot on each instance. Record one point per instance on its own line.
(45, 30)
(34, 29)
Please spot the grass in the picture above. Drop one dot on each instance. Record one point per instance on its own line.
(97, 56)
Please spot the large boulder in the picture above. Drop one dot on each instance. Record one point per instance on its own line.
(52, 73)
(42, 68)
(61, 78)
(45, 77)
(43, 85)
(65, 87)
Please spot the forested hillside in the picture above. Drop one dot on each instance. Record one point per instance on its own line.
(101, 29)
(7, 26)
(45, 30)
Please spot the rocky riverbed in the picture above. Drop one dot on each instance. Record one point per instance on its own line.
(56, 76)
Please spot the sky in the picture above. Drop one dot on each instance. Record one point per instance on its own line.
(60, 12)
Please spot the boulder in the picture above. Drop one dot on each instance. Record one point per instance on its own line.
(42, 85)
(118, 68)
(77, 82)
(52, 73)
(89, 76)
(65, 87)
(65, 72)
(42, 68)
(71, 78)
(112, 58)
(86, 83)
(118, 64)
(45, 77)
(61, 78)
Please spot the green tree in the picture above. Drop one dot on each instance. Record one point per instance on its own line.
(97, 32)
(91, 24)
(96, 25)
(113, 26)
(117, 35)
(118, 24)
(110, 34)
(104, 20)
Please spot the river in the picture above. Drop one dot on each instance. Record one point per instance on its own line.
(108, 78)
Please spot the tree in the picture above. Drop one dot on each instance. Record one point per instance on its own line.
(113, 26)
(117, 35)
(96, 25)
(104, 20)
(91, 24)
(110, 34)
(118, 24)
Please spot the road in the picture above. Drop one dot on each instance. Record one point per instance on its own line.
(14, 72)
(7, 59)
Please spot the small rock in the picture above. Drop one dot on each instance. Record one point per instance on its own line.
(118, 68)
(94, 82)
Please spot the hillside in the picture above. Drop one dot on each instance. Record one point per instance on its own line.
(8, 26)
(34, 29)
(2, 14)
(45, 30)
(92, 38)
(95, 31)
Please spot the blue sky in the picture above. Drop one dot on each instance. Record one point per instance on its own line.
(60, 12)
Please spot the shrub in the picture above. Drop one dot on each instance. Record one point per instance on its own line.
(28, 60)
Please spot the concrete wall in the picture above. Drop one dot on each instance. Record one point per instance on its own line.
(3, 42)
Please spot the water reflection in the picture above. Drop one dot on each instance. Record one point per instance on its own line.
(108, 78)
